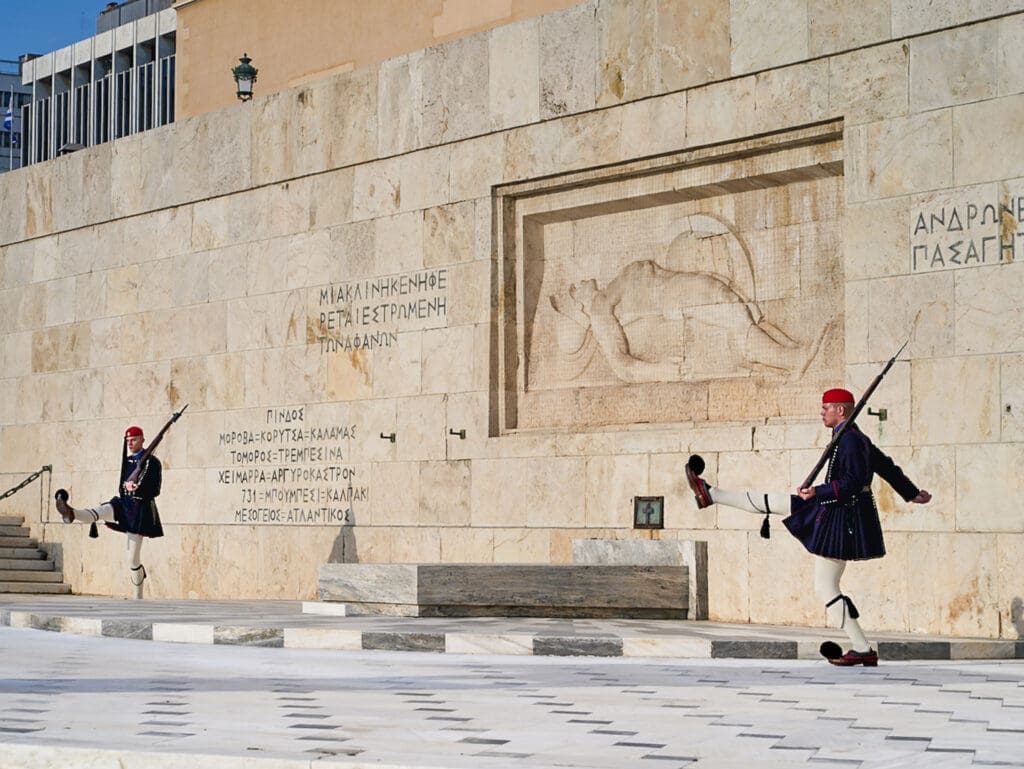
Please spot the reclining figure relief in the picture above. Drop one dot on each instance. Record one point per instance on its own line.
(695, 319)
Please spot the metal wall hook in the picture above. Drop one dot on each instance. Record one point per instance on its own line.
(388, 436)
(882, 414)
(460, 433)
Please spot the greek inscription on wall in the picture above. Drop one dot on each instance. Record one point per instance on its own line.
(371, 313)
(966, 229)
(287, 471)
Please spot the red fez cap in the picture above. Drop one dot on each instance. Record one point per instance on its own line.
(837, 395)
(133, 432)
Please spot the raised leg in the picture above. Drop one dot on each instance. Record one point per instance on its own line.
(104, 512)
(752, 502)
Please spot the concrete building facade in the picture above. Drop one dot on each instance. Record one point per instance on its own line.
(375, 292)
(119, 82)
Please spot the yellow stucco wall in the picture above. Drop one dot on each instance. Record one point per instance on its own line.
(302, 40)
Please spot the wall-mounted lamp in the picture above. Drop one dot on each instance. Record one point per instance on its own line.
(388, 437)
(460, 434)
(245, 77)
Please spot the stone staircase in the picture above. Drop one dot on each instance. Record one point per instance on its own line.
(24, 567)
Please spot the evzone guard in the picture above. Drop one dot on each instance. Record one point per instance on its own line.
(133, 510)
(837, 520)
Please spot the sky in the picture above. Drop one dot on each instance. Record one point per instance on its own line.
(41, 26)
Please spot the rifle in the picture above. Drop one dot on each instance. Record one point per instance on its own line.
(849, 420)
(152, 446)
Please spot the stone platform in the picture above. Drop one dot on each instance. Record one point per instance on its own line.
(509, 590)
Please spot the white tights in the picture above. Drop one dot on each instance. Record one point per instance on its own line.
(752, 502)
(136, 571)
(827, 571)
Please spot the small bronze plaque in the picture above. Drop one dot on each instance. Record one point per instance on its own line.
(648, 512)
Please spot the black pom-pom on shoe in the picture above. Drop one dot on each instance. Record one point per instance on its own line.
(830, 650)
(67, 514)
(696, 463)
(701, 492)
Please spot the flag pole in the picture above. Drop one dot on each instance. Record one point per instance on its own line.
(10, 133)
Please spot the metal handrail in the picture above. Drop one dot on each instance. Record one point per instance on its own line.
(27, 481)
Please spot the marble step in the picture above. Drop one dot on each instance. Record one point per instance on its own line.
(25, 564)
(22, 553)
(24, 567)
(30, 575)
(34, 587)
(23, 541)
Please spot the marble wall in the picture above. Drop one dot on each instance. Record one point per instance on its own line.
(320, 269)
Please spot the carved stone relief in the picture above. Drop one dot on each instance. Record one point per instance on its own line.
(687, 293)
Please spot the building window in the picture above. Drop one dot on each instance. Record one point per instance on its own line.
(81, 134)
(26, 111)
(102, 124)
(62, 102)
(167, 90)
(42, 133)
(145, 96)
(123, 107)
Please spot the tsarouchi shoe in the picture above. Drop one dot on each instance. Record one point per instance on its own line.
(701, 492)
(67, 513)
(868, 659)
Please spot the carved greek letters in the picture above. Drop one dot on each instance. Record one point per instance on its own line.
(951, 233)
(288, 471)
(370, 313)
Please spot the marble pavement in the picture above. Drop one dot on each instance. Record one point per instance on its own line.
(68, 699)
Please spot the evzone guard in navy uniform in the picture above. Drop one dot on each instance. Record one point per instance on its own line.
(133, 510)
(836, 521)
